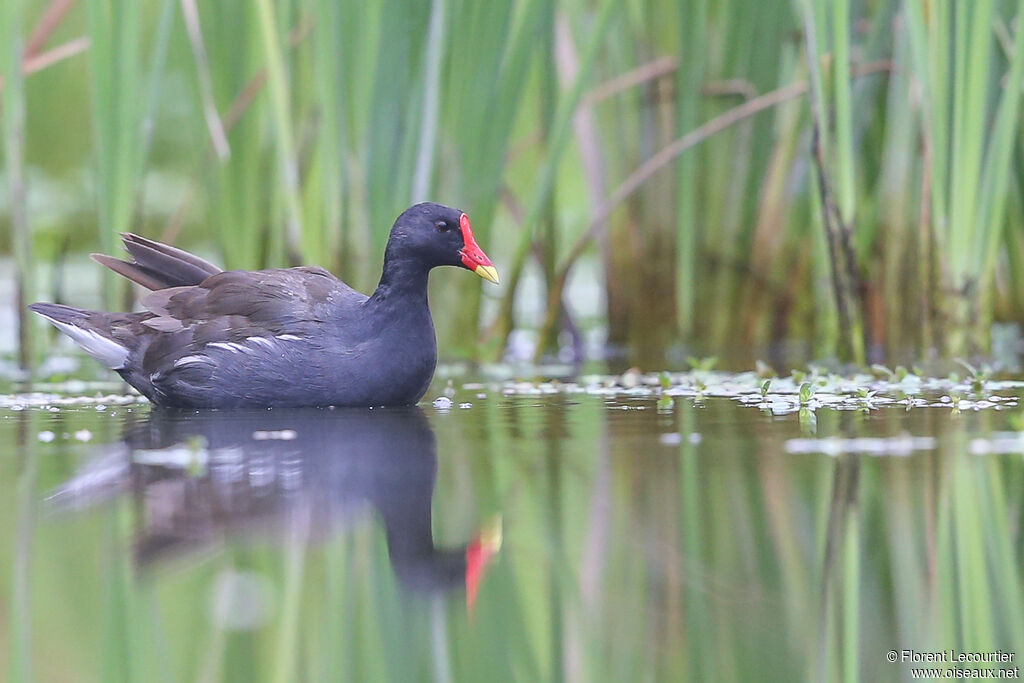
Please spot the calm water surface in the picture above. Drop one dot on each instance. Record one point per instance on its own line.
(700, 543)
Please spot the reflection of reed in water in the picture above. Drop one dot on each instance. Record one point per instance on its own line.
(201, 478)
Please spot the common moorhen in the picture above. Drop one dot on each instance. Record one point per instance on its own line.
(281, 337)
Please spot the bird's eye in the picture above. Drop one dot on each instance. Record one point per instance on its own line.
(442, 226)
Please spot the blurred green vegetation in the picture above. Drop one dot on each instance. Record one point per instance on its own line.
(845, 172)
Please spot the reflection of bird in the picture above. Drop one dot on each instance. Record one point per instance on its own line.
(202, 477)
(282, 337)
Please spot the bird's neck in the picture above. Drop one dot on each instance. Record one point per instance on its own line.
(403, 282)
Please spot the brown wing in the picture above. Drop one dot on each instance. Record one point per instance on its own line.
(239, 303)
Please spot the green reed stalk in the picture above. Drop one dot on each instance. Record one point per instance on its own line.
(995, 179)
(161, 43)
(488, 88)
(560, 135)
(735, 165)
(431, 94)
(561, 129)
(12, 137)
(114, 31)
(240, 201)
(392, 115)
(288, 167)
(844, 268)
(689, 80)
(845, 174)
(332, 154)
(902, 271)
(972, 29)
(970, 182)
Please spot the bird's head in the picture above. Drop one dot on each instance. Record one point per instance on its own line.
(438, 235)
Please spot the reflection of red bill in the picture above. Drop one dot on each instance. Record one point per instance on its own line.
(478, 556)
(473, 257)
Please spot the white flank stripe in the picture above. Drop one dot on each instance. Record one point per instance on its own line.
(261, 341)
(190, 360)
(228, 346)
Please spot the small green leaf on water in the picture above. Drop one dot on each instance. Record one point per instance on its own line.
(664, 380)
(765, 386)
(806, 392)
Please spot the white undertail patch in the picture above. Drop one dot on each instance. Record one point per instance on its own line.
(103, 349)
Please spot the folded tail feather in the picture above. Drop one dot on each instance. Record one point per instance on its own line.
(155, 265)
(76, 323)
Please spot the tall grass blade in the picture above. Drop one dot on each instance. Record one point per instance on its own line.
(288, 166)
(430, 110)
(12, 138)
(689, 81)
(115, 31)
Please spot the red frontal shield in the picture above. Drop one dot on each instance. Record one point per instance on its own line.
(473, 257)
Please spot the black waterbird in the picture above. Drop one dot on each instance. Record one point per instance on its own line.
(282, 337)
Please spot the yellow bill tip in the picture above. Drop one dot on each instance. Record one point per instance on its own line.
(488, 273)
(491, 534)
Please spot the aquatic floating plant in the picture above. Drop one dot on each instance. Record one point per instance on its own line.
(783, 395)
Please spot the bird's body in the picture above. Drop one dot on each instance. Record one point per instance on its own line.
(281, 337)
